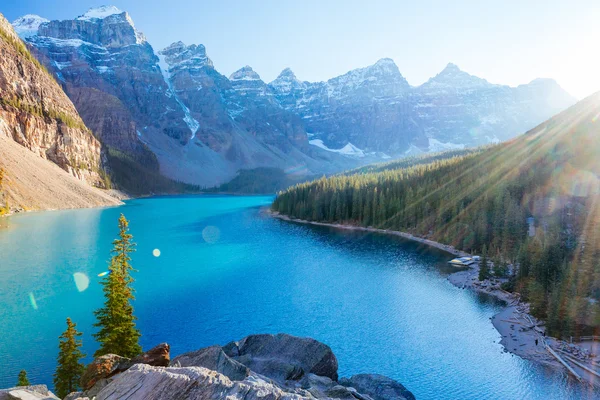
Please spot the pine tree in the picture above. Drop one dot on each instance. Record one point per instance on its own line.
(23, 381)
(118, 334)
(484, 271)
(69, 370)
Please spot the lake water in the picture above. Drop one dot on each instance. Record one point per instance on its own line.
(226, 270)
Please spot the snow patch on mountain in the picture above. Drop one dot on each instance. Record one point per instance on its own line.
(436, 146)
(28, 25)
(46, 41)
(348, 150)
(188, 119)
(99, 13)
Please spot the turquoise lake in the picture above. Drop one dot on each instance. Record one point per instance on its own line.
(226, 270)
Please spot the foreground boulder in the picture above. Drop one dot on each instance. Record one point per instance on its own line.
(33, 392)
(284, 357)
(378, 387)
(213, 358)
(174, 383)
(267, 367)
(109, 365)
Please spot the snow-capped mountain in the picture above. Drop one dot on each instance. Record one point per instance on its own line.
(172, 109)
(376, 110)
(28, 25)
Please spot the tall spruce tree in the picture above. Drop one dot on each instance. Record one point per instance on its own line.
(484, 269)
(23, 381)
(118, 334)
(69, 369)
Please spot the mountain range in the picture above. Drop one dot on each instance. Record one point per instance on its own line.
(172, 112)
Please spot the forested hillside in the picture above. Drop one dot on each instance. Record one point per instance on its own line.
(547, 177)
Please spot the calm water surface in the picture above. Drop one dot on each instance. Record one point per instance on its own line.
(225, 271)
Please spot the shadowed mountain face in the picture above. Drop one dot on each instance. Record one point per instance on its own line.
(174, 109)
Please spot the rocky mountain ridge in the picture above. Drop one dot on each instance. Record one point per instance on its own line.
(174, 112)
(35, 114)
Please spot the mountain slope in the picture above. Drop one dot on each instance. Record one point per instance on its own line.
(35, 114)
(531, 201)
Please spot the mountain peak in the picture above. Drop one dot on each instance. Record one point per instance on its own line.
(286, 82)
(244, 74)
(385, 61)
(100, 12)
(178, 53)
(543, 81)
(288, 74)
(28, 25)
(451, 67)
(452, 77)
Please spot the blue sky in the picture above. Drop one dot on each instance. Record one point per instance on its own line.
(508, 42)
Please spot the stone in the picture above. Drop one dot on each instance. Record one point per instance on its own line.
(32, 392)
(102, 368)
(215, 359)
(158, 356)
(145, 382)
(378, 387)
(267, 367)
(284, 357)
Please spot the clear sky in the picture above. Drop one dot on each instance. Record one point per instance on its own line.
(508, 42)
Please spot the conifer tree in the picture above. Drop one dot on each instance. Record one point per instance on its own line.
(69, 370)
(118, 334)
(484, 271)
(23, 381)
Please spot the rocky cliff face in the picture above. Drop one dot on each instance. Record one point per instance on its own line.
(273, 367)
(36, 113)
(175, 109)
(110, 72)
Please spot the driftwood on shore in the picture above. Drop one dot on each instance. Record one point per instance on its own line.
(563, 362)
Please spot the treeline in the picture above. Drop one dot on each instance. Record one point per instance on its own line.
(141, 177)
(263, 180)
(412, 161)
(547, 178)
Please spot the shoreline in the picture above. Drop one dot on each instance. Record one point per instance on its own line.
(117, 195)
(513, 323)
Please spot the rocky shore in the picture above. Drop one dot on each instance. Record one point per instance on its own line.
(267, 367)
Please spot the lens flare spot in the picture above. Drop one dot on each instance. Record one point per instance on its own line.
(156, 253)
(211, 234)
(101, 274)
(81, 281)
(32, 301)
